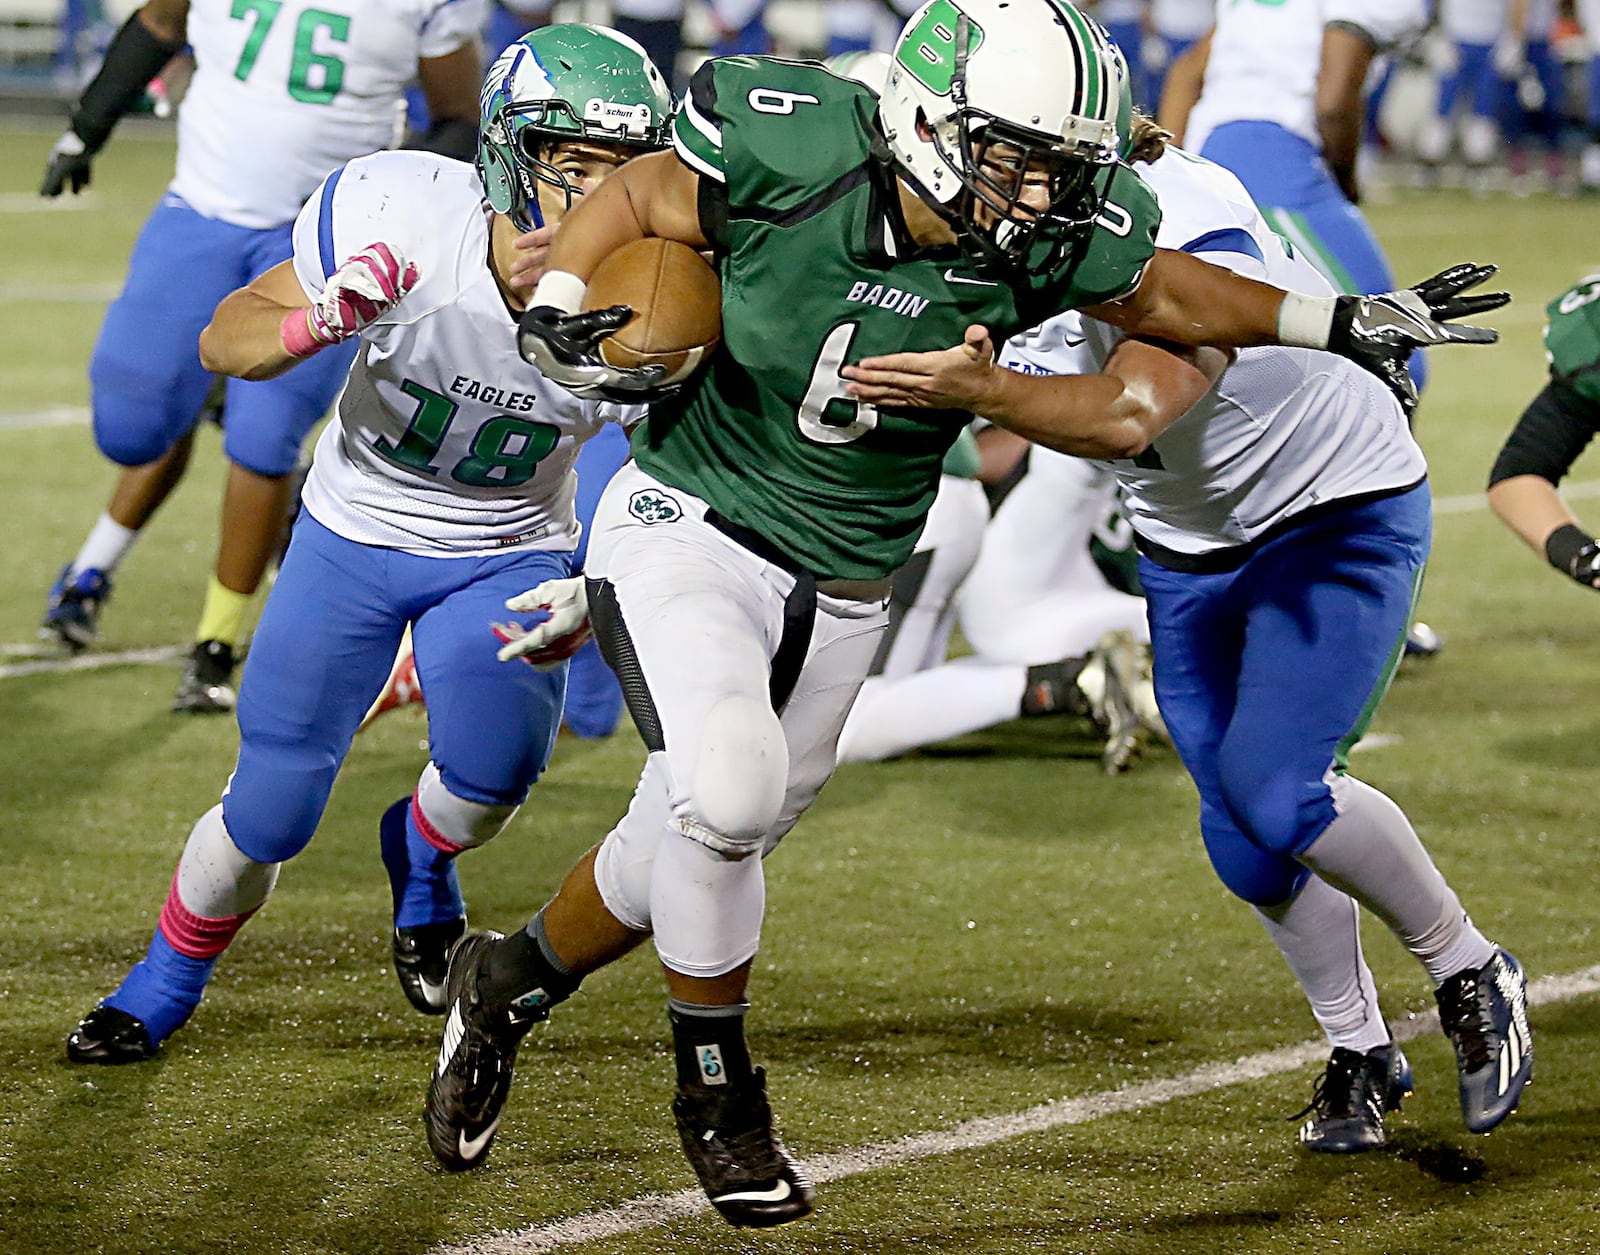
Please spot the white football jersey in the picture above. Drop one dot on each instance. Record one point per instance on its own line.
(1180, 19)
(1265, 59)
(285, 90)
(1281, 431)
(446, 442)
(1474, 21)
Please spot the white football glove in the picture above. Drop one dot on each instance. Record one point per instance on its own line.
(362, 290)
(563, 632)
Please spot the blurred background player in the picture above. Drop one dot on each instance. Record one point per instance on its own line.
(281, 94)
(443, 487)
(1556, 427)
(1283, 520)
(1467, 116)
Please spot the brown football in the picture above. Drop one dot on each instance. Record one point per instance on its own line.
(676, 301)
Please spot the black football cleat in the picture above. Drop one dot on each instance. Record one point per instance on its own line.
(1352, 1096)
(746, 1173)
(1484, 1012)
(422, 961)
(206, 686)
(472, 1076)
(109, 1036)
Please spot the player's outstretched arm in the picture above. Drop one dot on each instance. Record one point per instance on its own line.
(147, 41)
(1144, 388)
(1187, 301)
(261, 330)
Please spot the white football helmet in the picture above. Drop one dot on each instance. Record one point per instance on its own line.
(1034, 76)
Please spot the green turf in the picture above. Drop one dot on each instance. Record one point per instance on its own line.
(964, 933)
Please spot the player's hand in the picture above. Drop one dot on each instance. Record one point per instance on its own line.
(1585, 565)
(551, 641)
(957, 378)
(530, 250)
(566, 349)
(361, 291)
(1380, 332)
(70, 160)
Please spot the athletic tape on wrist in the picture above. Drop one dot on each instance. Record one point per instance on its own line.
(560, 288)
(297, 335)
(1304, 322)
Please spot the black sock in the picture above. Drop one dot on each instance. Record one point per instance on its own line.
(1053, 689)
(708, 1043)
(524, 968)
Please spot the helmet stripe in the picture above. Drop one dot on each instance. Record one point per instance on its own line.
(1091, 80)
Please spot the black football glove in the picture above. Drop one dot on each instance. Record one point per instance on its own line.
(69, 166)
(1381, 332)
(1585, 565)
(566, 349)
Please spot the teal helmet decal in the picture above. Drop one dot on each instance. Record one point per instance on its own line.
(570, 81)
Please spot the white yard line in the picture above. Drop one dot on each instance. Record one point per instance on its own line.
(84, 662)
(653, 1209)
(41, 293)
(55, 416)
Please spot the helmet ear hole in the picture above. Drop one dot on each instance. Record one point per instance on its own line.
(499, 180)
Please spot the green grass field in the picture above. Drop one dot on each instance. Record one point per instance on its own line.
(964, 934)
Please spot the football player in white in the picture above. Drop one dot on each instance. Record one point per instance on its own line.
(444, 487)
(282, 93)
(1283, 517)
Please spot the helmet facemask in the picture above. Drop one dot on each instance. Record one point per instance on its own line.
(1003, 123)
(1022, 188)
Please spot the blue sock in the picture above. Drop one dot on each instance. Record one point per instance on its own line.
(163, 989)
(422, 878)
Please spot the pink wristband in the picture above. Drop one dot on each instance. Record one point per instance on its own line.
(297, 336)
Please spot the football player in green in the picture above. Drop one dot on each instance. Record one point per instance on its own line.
(1556, 427)
(739, 567)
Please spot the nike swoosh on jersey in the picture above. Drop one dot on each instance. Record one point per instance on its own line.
(950, 276)
(776, 1194)
(472, 1147)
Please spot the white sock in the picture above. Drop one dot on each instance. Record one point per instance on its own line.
(893, 716)
(1372, 852)
(216, 878)
(107, 543)
(1319, 933)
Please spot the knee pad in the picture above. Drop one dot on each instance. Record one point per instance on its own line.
(740, 774)
(135, 437)
(453, 823)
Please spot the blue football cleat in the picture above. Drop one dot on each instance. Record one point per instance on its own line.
(73, 610)
(1484, 1012)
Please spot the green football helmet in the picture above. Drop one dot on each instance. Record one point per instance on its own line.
(570, 81)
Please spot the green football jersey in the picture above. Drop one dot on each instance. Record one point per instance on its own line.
(1572, 338)
(810, 246)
